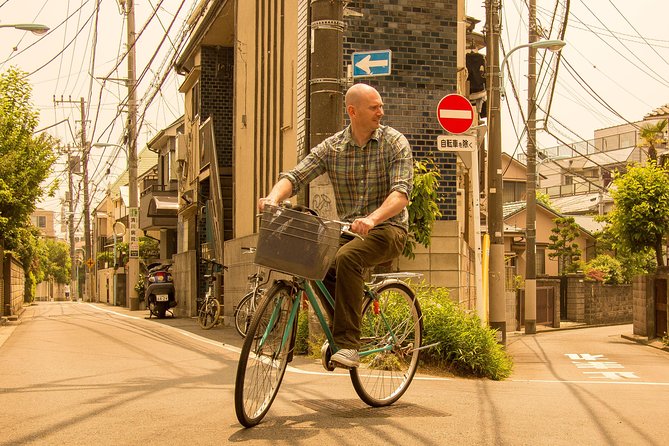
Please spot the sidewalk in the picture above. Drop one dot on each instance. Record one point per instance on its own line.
(219, 333)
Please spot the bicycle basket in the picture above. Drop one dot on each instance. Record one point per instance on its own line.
(296, 243)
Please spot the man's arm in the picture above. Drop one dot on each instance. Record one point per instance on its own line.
(390, 207)
(282, 190)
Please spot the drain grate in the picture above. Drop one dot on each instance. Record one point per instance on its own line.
(354, 408)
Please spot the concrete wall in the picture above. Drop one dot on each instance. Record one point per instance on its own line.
(643, 288)
(49, 290)
(185, 283)
(447, 263)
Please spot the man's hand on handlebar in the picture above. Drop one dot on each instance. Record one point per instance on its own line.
(362, 225)
(266, 200)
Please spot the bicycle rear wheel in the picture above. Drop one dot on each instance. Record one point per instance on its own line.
(244, 313)
(264, 356)
(392, 324)
(209, 313)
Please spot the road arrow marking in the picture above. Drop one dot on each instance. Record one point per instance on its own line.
(366, 64)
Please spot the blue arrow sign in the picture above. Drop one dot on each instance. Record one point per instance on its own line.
(371, 63)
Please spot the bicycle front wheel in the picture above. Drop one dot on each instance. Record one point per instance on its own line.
(264, 355)
(391, 330)
(244, 313)
(209, 313)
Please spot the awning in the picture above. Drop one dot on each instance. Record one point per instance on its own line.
(163, 206)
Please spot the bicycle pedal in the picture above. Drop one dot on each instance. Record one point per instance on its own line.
(335, 365)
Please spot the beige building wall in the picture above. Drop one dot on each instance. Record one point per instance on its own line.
(254, 171)
(44, 221)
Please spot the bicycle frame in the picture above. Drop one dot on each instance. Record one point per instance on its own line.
(305, 286)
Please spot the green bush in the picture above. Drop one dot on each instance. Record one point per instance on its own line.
(605, 269)
(465, 346)
(302, 339)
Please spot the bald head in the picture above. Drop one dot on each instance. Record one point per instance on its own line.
(365, 110)
(358, 92)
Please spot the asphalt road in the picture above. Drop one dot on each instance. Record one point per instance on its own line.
(79, 373)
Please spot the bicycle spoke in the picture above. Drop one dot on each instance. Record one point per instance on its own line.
(264, 356)
(391, 328)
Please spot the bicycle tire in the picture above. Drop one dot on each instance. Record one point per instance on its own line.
(263, 359)
(209, 313)
(244, 313)
(383, 377)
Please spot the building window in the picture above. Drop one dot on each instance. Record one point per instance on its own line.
(513, 191)
(541, 260)
(41, 221)
(195, 100)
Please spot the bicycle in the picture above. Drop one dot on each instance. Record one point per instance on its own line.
(209, 313)
(248, 304)
(391, 328)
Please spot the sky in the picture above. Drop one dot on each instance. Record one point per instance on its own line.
(614, 69)
(62, 64)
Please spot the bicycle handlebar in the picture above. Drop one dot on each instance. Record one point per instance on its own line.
(345, 226)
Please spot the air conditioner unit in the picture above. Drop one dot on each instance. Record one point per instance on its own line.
(182, 147)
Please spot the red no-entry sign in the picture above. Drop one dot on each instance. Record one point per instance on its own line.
(455, 113)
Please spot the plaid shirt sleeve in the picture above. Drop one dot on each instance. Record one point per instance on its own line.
(401, 170)
(311, 167)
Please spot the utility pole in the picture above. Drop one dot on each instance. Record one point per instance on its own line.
(70, 221)
(531, 211)
(495, 211)
(85, 150)
(87, 211)
(133, 210)
(326, 97)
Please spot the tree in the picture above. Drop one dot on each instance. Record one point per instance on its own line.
(652, 135)
(562, 244)
(25, 159)
(57, 262)
(423, 209)
(640, 217)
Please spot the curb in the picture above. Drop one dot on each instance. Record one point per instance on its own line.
(643, 340)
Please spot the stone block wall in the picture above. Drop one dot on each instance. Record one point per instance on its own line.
(608, 304)
(642, 306)
(13, 287)
(594, 303)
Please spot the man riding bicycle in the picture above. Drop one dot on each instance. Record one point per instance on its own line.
(371, 170)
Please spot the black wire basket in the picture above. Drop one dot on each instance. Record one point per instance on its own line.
(296, 243)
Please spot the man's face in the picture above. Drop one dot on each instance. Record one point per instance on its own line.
(369, 111)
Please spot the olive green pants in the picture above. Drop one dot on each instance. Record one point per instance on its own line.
(383, 243)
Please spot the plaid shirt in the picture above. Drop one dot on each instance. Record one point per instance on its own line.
(362, 177)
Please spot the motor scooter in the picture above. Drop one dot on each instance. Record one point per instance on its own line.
(159, 294)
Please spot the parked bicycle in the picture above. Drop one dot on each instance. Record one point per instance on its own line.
(209, 313)
(303, 246)
(248, 304)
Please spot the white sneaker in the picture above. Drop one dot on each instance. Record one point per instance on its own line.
(346, 357)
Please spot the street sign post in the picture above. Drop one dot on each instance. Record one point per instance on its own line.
(455, 113)
(372, 63)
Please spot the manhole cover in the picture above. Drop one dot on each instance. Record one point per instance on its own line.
(355, 408)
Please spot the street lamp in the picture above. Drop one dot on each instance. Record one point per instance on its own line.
(35, 28)
(550, 45)
(108, 144)
(531, 191)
